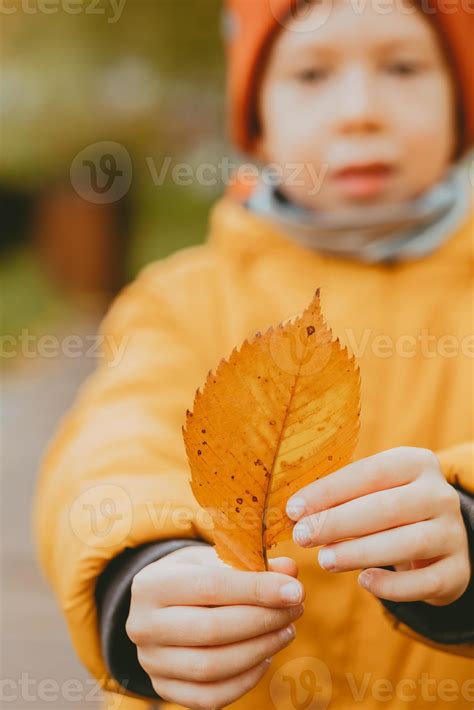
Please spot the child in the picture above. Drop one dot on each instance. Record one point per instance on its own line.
(383, 104)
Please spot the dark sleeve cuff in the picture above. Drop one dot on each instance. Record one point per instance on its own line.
(452, 624)
(113, 593)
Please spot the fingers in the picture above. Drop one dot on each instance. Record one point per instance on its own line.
(202, 626)
(420, 541)
(213, 664)
(206, 554)
(194, 554)
(363, 516)
(395, 467)
(432, 584)
(215, 586)
(209, 695)
(284, 565)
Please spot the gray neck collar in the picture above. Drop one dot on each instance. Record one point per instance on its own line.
(395, 232)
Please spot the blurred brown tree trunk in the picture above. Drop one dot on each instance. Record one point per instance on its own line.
(82, 246)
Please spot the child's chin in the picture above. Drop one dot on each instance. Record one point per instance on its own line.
(363, 200)
(364, 190)
(338, 203)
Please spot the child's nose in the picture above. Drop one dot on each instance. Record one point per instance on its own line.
(358, 105)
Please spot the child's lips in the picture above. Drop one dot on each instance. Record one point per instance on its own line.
(364, 180)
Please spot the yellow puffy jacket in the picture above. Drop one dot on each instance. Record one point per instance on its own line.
(116, 475)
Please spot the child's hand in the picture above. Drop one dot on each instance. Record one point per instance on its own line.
(401, 512)
(203, 630)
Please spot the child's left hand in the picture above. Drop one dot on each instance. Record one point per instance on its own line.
(399, 511)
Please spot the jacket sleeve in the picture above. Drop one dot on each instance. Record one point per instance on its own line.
(449, 628)
(116, 475)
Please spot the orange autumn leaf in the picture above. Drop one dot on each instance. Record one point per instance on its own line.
(282, 411)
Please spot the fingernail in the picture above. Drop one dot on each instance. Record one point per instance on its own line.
(291, 592)
(267, 661)
(295, 508)
(301, 534)
(327, 558)
(297, 610)
(364, 580)
(288, 634)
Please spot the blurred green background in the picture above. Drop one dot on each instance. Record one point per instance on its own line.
(147, 74)
(146, 78)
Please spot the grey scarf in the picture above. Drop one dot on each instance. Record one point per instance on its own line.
(393, 232)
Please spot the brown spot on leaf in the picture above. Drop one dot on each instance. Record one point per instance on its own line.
(199, 452)
(310, 330)
(255, 499)
(237, 510)
(239, 500)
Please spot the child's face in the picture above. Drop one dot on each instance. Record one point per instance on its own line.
(365, 101)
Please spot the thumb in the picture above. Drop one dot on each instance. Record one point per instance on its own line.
(284, 565)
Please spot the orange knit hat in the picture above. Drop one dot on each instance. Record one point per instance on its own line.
(249, 26)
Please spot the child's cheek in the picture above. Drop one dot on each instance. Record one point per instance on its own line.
(427, 127)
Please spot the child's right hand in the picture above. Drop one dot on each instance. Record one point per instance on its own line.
(203, 629)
